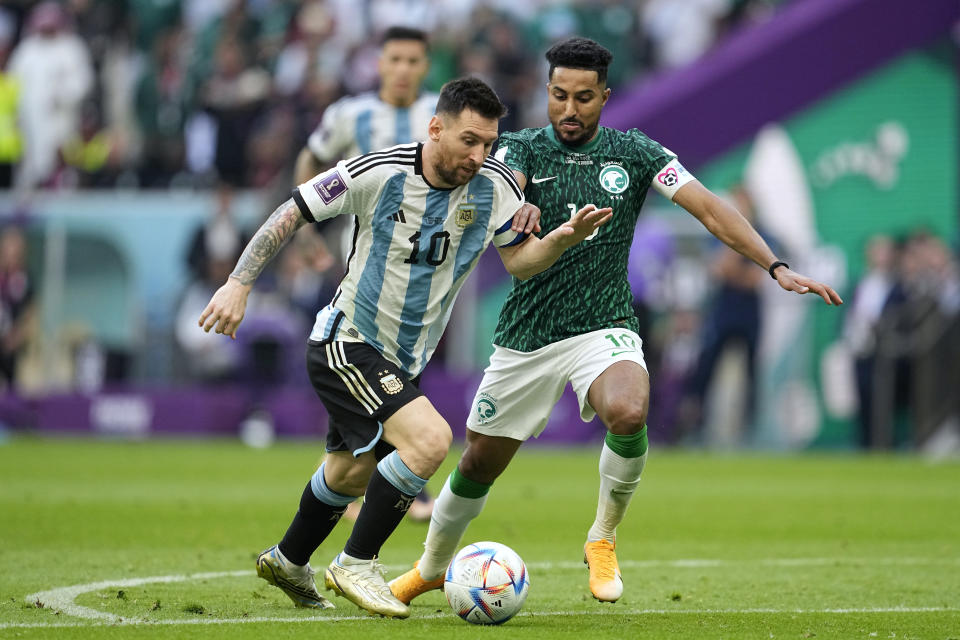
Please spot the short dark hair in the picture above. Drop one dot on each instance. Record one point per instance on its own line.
(404, 33)
(580, 53)
(470, 93)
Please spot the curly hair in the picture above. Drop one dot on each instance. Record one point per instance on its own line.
(580, 53)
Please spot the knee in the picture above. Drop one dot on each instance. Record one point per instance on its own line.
(349, 481)
(437, 444)
(626, 417)
(432, 446)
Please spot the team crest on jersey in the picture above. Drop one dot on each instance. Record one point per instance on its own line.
(614, 179)
(390, 382)
(486, 408)
(466, 214)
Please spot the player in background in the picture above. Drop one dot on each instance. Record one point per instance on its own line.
(573, 322)
(397, 113)
(425, 212)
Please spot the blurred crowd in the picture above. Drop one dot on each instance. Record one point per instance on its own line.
(223, 94)
(898, 341)
(158, 93)
(903, 331)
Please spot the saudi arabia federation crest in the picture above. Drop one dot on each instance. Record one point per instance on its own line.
(614, 179)
(466, 214)
(486, 408)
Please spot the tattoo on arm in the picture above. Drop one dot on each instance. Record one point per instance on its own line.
(268, 241)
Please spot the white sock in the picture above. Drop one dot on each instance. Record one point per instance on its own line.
(451, 516)
(619, 478)
(346, 560)
(299, 569)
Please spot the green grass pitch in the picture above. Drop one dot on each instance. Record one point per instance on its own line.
(157, 540)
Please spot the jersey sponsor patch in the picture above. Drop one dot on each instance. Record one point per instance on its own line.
(330, 187)
(614, 178)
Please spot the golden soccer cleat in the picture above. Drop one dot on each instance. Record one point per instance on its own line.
(361, 582)
(295, 581)
(606, 585)
(411, 584)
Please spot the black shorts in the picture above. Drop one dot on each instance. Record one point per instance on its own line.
(360, 390)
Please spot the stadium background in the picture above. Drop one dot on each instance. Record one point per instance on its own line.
(838, 118)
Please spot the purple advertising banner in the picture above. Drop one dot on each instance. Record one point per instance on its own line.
(295, 411)
(770, 71)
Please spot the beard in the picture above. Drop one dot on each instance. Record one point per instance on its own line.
(455, 175)
(584, 135)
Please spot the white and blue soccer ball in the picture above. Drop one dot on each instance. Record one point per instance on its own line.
(486, 583)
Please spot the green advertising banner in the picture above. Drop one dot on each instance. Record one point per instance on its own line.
(879, 156)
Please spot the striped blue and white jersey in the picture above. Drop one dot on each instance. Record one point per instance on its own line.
(413, 247)
(359, 124)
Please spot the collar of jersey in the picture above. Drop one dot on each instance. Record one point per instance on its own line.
(587, 148)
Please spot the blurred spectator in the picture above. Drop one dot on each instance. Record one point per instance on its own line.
(161, 104)
(678, 346)
(308, 67)
(866, 306)
(497, 54)
(91, 154)
(307, 276)
(680, 32)
(153, 18)
(235, 96)
(218, 240)
(214, 250)
(16, 301)
(206, 358)
(11, 145)
(915, 374)
(55, 73)
(733, 316)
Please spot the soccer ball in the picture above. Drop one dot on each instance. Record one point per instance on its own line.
(486, 583)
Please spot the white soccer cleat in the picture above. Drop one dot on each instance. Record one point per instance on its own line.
(361, 582)
(606, 585)
(294, 580)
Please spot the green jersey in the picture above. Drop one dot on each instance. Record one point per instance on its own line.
(587, 288)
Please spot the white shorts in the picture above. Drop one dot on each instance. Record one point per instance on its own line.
(519, 390)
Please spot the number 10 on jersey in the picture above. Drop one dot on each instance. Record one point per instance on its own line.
(437, 252)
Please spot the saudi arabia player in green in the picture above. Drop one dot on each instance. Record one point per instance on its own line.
(574, 322)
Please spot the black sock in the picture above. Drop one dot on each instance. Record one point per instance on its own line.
(311, 525)
(383, 508)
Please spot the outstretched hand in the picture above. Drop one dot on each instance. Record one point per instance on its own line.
(583, 223)
(226, 308)
(799, 283)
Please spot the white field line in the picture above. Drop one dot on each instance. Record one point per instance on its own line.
(62, 599)
(436, 616)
